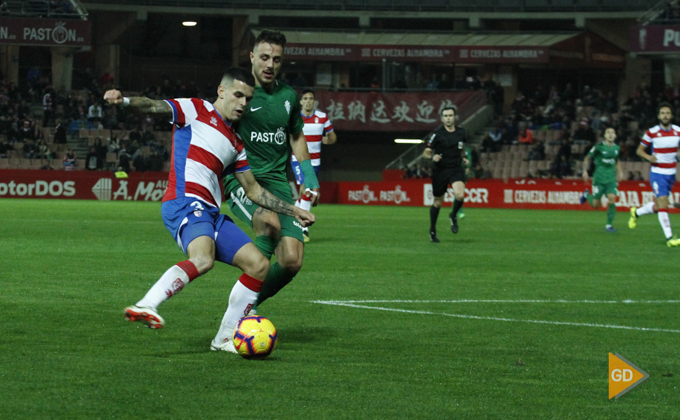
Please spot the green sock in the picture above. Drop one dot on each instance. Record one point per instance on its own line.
(276, 279)
(589, 197)
(611, 212)
(266, 245)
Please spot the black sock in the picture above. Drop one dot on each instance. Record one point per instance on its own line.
(434, 213)
(456, 206)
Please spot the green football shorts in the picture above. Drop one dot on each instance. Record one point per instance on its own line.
(601, 188)
(243, 208)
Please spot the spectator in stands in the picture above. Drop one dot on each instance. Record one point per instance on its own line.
(44, 151)
(48, 107)
(488, 145)
(27, 131)
(135, 135)
(584, 134)
(94, 113)
(444, 82)
(148, 137)
(124, 162)
(638, 176)
(101, 151)
(114, 144)
(155, 161)
(565, 148)
(537, 151)
(525, 136)
(6, 149)
(496, 136)
(70, 160)
(92, 162)
(59, 133)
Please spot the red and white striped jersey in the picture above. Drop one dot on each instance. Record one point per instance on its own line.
(316, 126)
(205, 149)
(664, 146)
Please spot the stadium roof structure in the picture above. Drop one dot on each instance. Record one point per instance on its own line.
(427, 39)
(582, 48)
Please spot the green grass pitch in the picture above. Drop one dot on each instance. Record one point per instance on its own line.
(407, 329)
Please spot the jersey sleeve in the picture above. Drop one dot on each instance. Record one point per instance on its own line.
(327, 126)
(592, 152)
(646, 139)
(241, 164)
(295, 123)
(184, 111)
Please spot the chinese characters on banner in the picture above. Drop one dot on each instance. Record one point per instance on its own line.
(375, 111)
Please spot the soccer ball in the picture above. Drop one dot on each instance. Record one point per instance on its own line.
(255, 337)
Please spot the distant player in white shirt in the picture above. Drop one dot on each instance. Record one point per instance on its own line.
(663, 139)
(205, 148)
(318, 130)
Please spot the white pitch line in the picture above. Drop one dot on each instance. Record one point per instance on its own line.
(491, 318)
(627, 301)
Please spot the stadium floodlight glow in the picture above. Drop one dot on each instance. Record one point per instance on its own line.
(408, 141)
(189, 23)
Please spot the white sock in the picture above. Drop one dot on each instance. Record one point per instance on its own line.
(170, 283)
(242, 298)
(646, 209)
(665, 224)
(305, 202)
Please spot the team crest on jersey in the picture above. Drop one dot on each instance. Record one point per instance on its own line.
(287, 105)
(280, 136)
(213, 121)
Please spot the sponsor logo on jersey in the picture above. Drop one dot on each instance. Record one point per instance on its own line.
(279, 137)
(287, 105)
(213, 121)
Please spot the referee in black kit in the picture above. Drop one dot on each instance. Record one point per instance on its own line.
(446, 147)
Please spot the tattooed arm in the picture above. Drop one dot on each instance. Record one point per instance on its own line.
(138, 104)
(264, 198)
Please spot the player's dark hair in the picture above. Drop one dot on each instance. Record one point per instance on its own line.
(451, 107)
(241, 74)
(664, 105)
(270, 37)
(307, 91)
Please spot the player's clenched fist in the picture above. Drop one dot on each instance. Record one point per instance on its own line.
(113, 97)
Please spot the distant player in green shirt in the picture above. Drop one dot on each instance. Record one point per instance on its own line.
(271, 129)
(607, 167)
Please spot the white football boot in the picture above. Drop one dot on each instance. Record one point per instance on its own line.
(227, 345)
(147, 316)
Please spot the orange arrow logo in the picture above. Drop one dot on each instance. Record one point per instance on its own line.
(623, 375)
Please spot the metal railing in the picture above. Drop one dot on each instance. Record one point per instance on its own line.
(401, 5)
(71, 9)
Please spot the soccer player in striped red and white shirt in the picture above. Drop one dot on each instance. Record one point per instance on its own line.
(205, 149)
(318, 130)
(663, 139)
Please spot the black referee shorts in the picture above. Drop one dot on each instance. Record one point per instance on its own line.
(443, 178)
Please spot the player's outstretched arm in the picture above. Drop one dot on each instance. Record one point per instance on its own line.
(584, 167)
(299, 145)
(264, 198)
(138, 104)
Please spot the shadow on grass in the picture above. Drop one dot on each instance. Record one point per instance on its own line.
(306, 334)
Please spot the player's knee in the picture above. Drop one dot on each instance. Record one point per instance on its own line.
(290, 262)
(460, 196)
(258, 268)
(203, 263)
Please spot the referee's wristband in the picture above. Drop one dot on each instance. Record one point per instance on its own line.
(310, 175)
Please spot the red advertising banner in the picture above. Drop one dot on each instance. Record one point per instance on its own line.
(82, 185)
(490, 193)
(48, 32)
(417, 53)
(376, 111)
(655, 38)
(493, 193)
